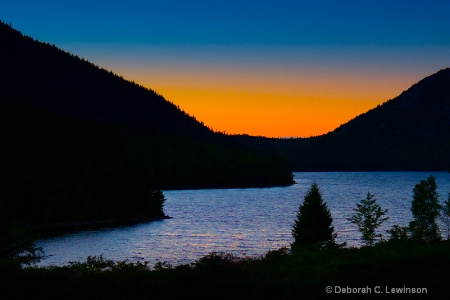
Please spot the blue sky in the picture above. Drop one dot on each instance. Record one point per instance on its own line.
(233, 22)
(303, 67)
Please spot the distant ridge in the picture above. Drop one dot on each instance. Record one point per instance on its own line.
(410, 132)
(79, 142)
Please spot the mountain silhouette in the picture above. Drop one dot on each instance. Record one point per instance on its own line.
(410, 132)
(80, 141)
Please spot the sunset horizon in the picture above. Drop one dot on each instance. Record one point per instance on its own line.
(224, 149)
(285, 69)
(251, 106)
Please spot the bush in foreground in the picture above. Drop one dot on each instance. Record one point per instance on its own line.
(278, 275)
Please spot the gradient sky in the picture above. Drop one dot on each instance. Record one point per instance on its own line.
(272, 68)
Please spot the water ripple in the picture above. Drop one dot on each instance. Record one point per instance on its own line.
(245, 222)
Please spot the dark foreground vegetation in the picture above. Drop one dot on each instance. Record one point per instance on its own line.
(277, 275)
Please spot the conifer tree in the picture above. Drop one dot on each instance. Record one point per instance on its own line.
(446, 215)
(425, 209)
(368, 217)
(156, 203)
(312, 228)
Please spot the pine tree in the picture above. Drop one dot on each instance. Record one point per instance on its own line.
(368, 217)
(446, 215)
(312, 228)
(425, 209)
(156, 203)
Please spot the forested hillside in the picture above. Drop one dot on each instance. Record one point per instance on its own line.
(410, 132)
(78, 141)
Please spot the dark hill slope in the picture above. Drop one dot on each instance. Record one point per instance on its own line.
(410, 132)
(79, 141)
(44, 78)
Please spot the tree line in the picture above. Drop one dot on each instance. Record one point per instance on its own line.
(313, 230)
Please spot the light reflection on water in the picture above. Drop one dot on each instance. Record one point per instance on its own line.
(245, 222)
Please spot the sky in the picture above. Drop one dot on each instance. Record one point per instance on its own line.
(267, 68)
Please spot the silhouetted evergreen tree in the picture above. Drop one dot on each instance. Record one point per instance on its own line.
(312, 228)
(156, 203)
(368, 217)
(425, 209)
(446, 215)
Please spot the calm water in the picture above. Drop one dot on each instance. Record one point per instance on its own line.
(245, 222)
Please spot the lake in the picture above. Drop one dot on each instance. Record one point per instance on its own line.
(245, 222)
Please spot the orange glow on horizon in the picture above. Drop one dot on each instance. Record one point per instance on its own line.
(286, 105)
(260, 114)
(270, 91)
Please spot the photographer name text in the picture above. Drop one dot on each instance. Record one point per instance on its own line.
(375, 290)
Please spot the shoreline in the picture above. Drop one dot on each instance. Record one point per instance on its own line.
(58, 228)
